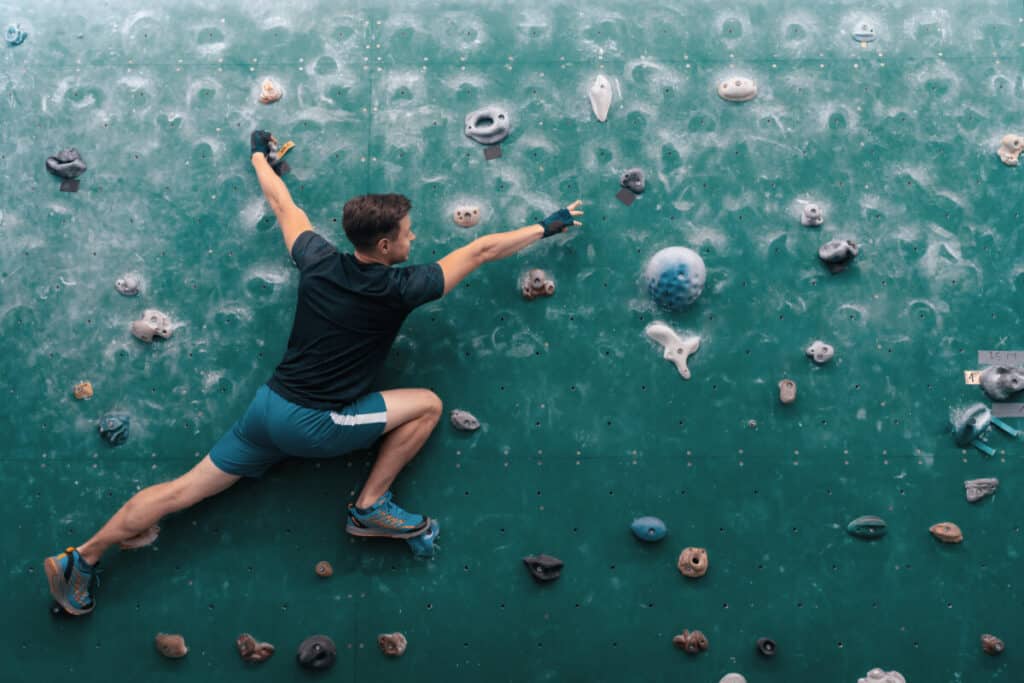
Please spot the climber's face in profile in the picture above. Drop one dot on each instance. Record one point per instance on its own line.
(396, 249)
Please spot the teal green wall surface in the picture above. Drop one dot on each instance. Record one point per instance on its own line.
(585, 426)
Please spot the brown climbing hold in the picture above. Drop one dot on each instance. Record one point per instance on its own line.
(83, 390)
(537, 283)
(947, 532)
(171, 645)
(392, 644)
(991, 645)
(691, 642)
(324, 569)
(787, 391)
(270, 91)
(253, 651)
(693, 562)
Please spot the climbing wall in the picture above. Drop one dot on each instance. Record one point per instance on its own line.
(585, 425)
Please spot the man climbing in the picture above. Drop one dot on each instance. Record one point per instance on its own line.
(319, 402)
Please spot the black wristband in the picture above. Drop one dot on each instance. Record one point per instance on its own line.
(557, 222)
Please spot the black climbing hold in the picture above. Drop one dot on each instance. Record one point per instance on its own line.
(544, 567)
(317, 652)
(634, 180)
(114, 428)
(837, 254)
(67, 163)
(766, 646)
(625, 196)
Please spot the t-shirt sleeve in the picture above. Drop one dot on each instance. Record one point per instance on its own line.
(419, 284)
(310, 248)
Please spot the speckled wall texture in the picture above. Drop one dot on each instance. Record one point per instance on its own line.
(585, 425)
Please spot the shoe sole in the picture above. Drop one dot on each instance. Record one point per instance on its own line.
(54, 574)
(384, 533)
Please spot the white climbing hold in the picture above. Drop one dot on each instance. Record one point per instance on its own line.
(820, 352)
(733, 678)
(270, 92)
(737, 89)
(677, 349)
(466, 215)
(864, 33)
(812, 216)
(601, 97)
(880, 676)
(1010, 148)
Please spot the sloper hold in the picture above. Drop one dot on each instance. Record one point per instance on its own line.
(733, 678)
(488, 125)
(947, 532)
(867, 526)
(464, 421)
(882, 676)
(1000, 383)
(601, 97)
(317, 652)
(864, 33)
(837, 254)
(544, 568)
(650, 529)
(979, 488)
(170, 645)
(270, 91)
(676, 349)
(128, 284)
(252, 650)
(737, 89)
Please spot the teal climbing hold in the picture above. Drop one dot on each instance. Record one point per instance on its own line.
(867, 526)
(650, 529)
(114, 428)
(14, 35)
(423, 545)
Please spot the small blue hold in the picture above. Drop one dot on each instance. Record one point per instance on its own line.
(14, 35)
(114, 428)
(423, 545)
(649, 529)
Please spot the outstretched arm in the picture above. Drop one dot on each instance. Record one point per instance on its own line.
(292, 219)
(463, 261)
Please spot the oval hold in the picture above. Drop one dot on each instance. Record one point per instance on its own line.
(171, 645)
(693, 562)
(650, 529)
(864, 33)
(544, 568)
(766, 646)
(317, 652)
(323, 569)
(737, 89)
(464, 421)
(867, 526)
(947, 532)
(601, 97)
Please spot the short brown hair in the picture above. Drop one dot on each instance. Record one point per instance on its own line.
(372, 217)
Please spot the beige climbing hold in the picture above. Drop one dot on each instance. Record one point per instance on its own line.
(392, 644)
(675, 349)
(601, 97)
(693, 562)
(252, 650)
(787, 391)
(691, 642)
(1010, 148)
(270, 92)
(947, 532)
(171, 645)
(737, 89)
(324, 569)
(83, 390)
(147, 537)
(536, 283)
(466, 216)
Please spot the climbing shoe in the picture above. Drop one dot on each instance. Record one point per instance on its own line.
(70, 580)
(385, 518)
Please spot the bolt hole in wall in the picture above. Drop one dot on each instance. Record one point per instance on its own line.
(738, 118)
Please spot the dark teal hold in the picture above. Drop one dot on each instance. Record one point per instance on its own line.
(650, 529)
(114, 428)
(14, 35)
(423, 545)
(867, 526)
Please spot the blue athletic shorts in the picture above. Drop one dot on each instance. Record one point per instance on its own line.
(273, 429)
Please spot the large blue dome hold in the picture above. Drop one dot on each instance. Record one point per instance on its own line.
(675, 277)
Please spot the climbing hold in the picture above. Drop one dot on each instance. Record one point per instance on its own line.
(252, 650)
(467, 216)
(649, 529)
(317, 652)
(489, 125)
(128, 284)
(787, 391)
(114, 428)
(270, 91)
(733, 678)
(66, 163)
(544, 568)
(676, 349)
(766, 646)
(812, 216)
(867, 526)
(152, 323)
(601, 97)
(864, 33)
(1010, 148)
(991, 645)
(675, 277)
(171, 645)
(1000, 383)
(737, 89)
(147, 537)
(752, 424)
(837, 254)
(14, 35)
(880, 676)
(634, 180)
(464, 421)
(537, 283)
(820, 352)
(424, 544)
(324, 569)
(979, 488)
(83, 390)
(947, 532)
(693, 562)
(392, 644)
(691, 642)
(969, 424)
(276, 156)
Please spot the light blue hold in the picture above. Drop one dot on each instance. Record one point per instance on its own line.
(675, 277)
(971, 423)
(423, 545)
(14, 35)
(650, 529)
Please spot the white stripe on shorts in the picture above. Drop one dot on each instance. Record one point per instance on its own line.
(353, 420)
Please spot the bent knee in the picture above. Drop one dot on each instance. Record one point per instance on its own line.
(433, 404)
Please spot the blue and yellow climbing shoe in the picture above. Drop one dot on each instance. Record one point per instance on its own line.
(70, 580)
(385, 518)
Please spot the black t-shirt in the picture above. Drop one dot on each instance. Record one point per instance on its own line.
(346, 319)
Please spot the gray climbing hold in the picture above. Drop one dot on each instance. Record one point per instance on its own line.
(317, 652)
(601, 97)
(1000, 383)
(128, 284)
(153, 323)
(467, 215)
(489, 125)
(14, 35)
(634, 180)
(737, 89)
(820, 352)
(464, 421)
(543, 568)
(980, 488)
(881, 676)
(1010, 148)
(970, 423)
(114, 428)
(812, 216)
(864, 33)
(867, 526)
(837, 254)
(66, 163)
